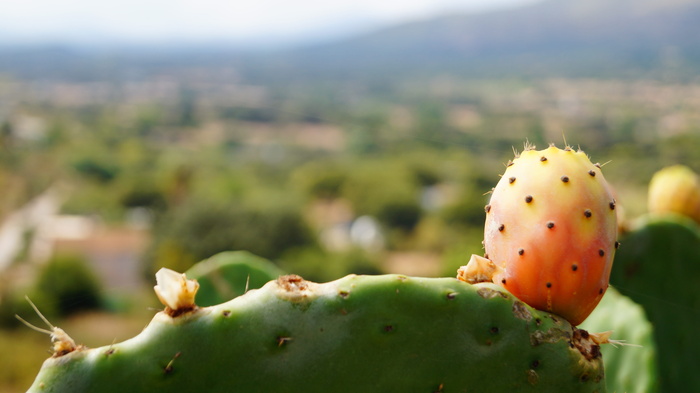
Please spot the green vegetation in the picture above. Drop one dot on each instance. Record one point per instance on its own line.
(66, 286)
(283, 166)
(658, 266)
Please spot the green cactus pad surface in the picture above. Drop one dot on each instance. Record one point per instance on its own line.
(388, 333)
(628, 368)
(658, 266)
(228, 274)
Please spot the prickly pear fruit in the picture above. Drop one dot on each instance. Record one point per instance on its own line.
(675, 189)
(551, 230)
(389, 333)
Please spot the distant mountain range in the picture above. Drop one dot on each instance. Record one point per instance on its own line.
(615, 38)
(569, 37)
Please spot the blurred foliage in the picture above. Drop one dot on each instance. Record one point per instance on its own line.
(27, 352)
(66, 285)
(199, 229)
(222, 164)
(318, 265)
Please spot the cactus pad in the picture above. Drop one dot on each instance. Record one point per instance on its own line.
(389, 333)
(631, 366)
(658, 266)
(229, 274)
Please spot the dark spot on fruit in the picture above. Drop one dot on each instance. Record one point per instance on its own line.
(597, 165)
(601, 252)
(501, 227)
(584, 378)
(510, 163)
(528, 199)
(535, 364)
(584, 333)
(565, 179)
(587, 213)
(494, 330)
(521, 251)
(486, 256)
(344, 294)
(600, 291)
(617, 245)
(550, 225)
(591, 172)
(452, 295)
(226, 313)
(612, 205)
(538, 321)
(487, 208)
(549, 285)
(543, 158)
(574, 267)
(503, 281)
(511, 180)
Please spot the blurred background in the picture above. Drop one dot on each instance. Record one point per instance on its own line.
(329, 137)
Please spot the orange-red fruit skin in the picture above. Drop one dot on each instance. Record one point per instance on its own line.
(552, 227)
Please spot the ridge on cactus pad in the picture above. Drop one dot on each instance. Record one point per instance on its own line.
(550, 232)
(389, 333)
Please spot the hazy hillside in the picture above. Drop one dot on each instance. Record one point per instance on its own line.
(621, 38)
(574, 37)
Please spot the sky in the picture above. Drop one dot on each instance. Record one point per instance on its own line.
(161, 21)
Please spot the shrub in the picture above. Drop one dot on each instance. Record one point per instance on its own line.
(69, 285)
(201, 229)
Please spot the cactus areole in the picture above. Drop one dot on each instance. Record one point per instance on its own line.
(551, 231)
